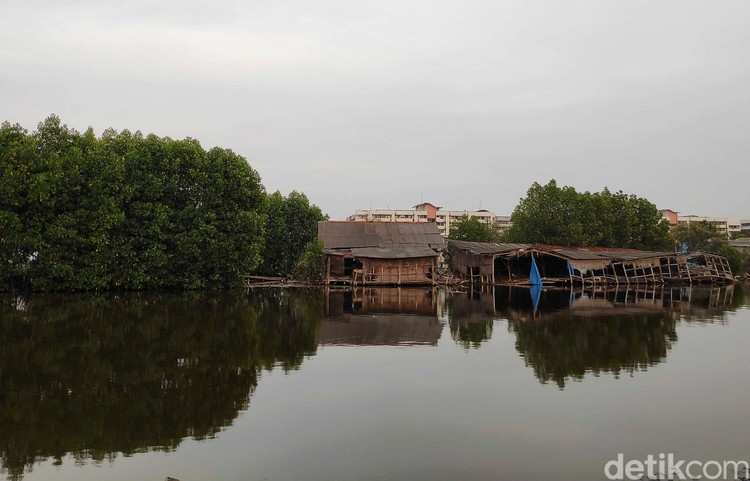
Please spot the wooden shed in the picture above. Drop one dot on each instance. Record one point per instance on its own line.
(380, 253)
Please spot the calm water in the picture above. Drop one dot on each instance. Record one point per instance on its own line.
(381, 384)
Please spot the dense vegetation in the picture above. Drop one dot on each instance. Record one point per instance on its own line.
(472, 229)
(127, 211)
(291, 224)
(562, 216)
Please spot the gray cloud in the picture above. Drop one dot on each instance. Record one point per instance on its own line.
(387, 103)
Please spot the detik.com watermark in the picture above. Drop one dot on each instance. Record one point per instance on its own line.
(666, 466)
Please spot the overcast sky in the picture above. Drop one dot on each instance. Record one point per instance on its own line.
(388, 103)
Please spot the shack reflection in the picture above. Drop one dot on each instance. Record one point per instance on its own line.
(518, 303)
(380, 316)
(565, 334)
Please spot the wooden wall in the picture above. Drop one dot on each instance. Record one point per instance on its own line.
(398, 271)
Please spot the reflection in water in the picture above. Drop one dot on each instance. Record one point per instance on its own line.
(471, 316)
(564, 348)
(380, 316)
(565, 334)
(95, 376)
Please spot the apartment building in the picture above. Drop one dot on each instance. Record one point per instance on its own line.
(427, 212)
(727, 227)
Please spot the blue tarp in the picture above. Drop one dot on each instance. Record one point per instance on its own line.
(534, 277)
(536, 284)
(536, 294)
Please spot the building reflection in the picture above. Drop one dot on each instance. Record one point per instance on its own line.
(380, 316)
(565, 334)
(523, 304)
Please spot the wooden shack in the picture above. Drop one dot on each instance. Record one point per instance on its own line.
(380, 253)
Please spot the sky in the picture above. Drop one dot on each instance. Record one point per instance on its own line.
(386, 104)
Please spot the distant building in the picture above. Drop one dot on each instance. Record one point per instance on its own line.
(722, 224)
(729, 228)
(745, 226)
(669, 215)
(427, 212)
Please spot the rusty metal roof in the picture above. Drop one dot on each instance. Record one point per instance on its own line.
(346, 235)
(489, 248)
(393, 252)
(577, 254)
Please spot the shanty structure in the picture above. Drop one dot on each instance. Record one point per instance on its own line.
(483, 262)
(380, 253)
(490, 263)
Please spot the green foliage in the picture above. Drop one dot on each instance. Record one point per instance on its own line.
(745, 268)
(310, 266)
(562, 216)
(698, 236)
(472, 229)
(291, 223)
(124, 211)
(733, 257)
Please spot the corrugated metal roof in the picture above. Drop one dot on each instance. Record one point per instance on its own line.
(577, 254)
(393, 252)
(486, 247)
(344, 235)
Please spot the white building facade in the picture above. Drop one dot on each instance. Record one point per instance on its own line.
(427, 212)
(730, 228)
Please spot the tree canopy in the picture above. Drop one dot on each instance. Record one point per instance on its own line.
(472, 229)
(128, 211)
(562, 216)
(698, 236)
(291, 223)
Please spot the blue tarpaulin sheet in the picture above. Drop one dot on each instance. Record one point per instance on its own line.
(534, 277)
(536, 294)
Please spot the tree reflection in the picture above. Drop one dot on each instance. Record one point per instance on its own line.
(471, 316)
(564, 334)
(95, 376)
(560, 349)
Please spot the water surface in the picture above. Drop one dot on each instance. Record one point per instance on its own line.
(369, 384)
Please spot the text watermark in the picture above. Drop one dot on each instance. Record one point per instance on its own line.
(666, 466)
